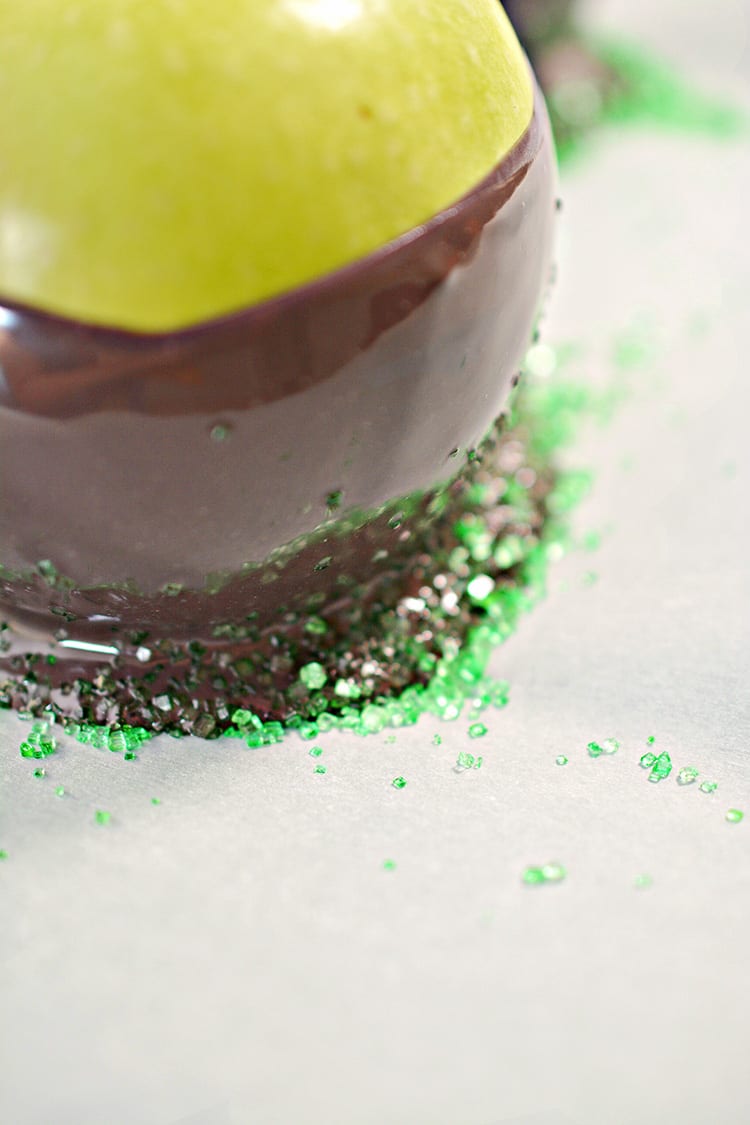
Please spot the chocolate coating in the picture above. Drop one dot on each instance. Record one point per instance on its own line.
(190, 460)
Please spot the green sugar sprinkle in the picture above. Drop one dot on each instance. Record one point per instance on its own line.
(40, 772)
(688, 775)
(465, 761)
(607, 747)
(389, 865)
(561, 760)
(39, 743)
(661, 769)
(650, 740)
(399, 783)
(59, 791)
(647, 760)
(315, 751)
(548, 873)
(3, 854)
(437, 740)
(477, 730)
(313, 675)
(156, 800)
(708, 786)
(101, 816)
(734, 816)
(643, 882)
(320, 769)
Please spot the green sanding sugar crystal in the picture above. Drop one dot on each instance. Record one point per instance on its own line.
(647, 760)
(39, 743)
(399, 783)
(650, 740)
(40, 772)
(661, 769)
(437, 740)
(220, 432)
(3, 854)
(465, 761)
(532, 876)
(389, 865)
(708, 786)
(642, 882)
(156, 800)
(60, 791)
(688, 775)
(313, 675)
(734, 816)
(553, 872)
(101, 816)
(315, 751)
(547, 873)
(477, 730)
(320, 769)
(561, 760)
(608, 746)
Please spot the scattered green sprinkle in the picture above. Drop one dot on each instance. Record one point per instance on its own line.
(39, 743)
(477, 730)
(647, 760)
(40, 772)
(553, 872)
(708, 786)
(734, 816)
(437, 740)
(156, 800)
(608, 746)
(661, 769)
(688, 775)
(399, 783)
(320, 769)
(547, 873)
(315, 751)
(3, 854)
(464, 761)
(60, 791)
(532, 876)
(561, 760)
(101, 816)
(650, 740)
(389, 865)
(642, 882)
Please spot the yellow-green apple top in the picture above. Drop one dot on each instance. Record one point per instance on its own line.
(163, 162)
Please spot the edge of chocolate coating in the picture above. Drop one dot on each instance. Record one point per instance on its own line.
(61, 366)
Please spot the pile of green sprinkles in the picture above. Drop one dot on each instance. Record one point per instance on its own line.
(483, 566)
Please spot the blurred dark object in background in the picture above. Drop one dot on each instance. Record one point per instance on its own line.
(539, 22)
(576, 82)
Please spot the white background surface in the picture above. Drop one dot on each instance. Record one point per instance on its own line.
(239, 955)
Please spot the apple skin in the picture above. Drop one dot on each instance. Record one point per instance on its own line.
(165, 163)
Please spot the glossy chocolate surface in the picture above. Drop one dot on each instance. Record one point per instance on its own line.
(183, 481)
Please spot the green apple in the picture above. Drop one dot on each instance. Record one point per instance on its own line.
(163, 162)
